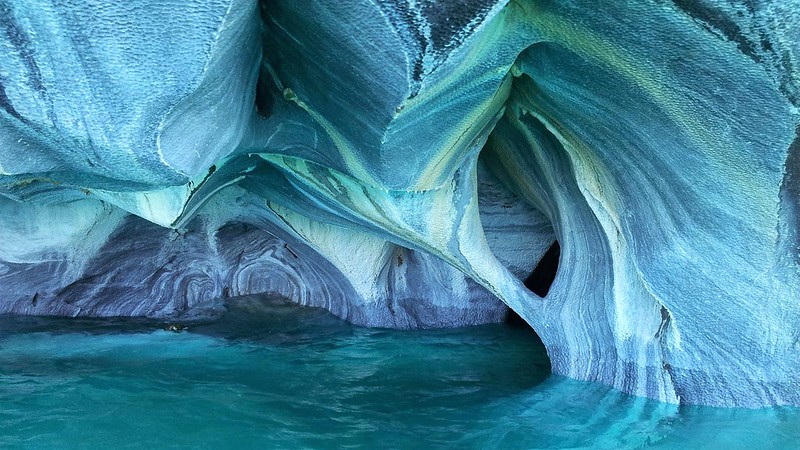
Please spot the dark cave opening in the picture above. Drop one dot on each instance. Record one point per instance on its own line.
(265, 100)
(513, 319)
(540, 280)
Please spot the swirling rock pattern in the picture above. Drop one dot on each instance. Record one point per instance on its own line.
(408, 163)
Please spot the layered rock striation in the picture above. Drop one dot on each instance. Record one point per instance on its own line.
(408, 164)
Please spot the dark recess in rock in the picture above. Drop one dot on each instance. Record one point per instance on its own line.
(264, 98)
(542, 277)
(6, 104)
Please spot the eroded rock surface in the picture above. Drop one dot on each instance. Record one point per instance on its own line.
(407, 164)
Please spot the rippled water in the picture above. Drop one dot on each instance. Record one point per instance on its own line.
(271, 375)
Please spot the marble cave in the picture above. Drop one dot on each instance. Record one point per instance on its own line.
(622, 176)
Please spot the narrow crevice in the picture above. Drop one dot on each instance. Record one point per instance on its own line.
(661, 336)
(265, 101)
(542, 277)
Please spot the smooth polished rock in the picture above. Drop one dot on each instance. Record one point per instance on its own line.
(408, 164)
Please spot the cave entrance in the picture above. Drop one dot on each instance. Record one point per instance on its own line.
(540, 280)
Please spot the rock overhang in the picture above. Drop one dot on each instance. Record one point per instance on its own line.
(409, 163)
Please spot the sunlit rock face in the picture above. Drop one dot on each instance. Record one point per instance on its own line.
(408, 164)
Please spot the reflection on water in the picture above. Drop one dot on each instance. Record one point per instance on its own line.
(271, 375)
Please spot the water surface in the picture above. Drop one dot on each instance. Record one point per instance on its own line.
(272, 375)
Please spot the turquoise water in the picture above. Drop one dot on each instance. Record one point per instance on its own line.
(271, 375)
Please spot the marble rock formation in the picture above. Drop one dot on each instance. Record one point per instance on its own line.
(408, 164)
